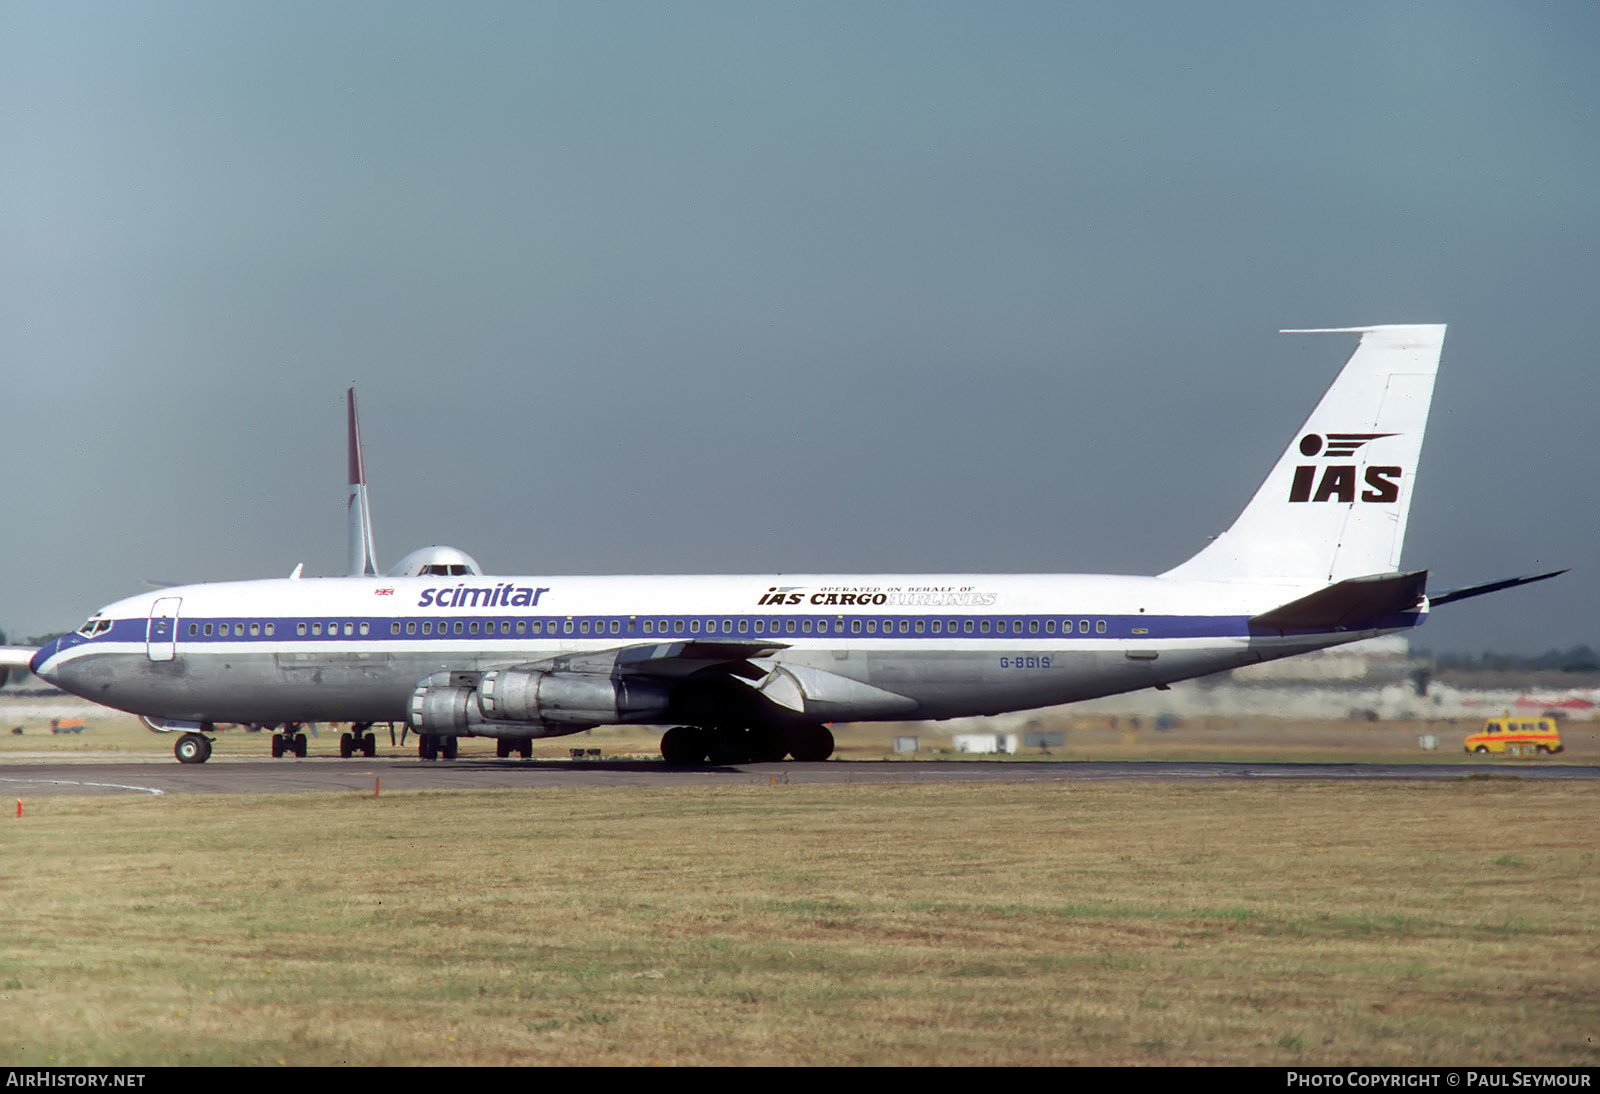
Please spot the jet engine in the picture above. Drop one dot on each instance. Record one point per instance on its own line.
(529, 702)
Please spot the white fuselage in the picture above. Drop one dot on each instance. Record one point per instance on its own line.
(924, 646)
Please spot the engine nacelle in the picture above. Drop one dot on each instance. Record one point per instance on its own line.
(530, 703)
(530, 695)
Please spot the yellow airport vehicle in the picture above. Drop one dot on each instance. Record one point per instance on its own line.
(1516, 736)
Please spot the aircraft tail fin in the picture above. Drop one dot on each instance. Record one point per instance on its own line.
(1334, 506)
(363, 558)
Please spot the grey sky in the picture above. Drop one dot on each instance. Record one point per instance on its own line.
(753, 287)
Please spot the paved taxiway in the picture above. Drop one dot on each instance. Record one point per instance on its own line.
(294, 776)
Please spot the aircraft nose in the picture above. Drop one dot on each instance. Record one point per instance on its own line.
(36, 664)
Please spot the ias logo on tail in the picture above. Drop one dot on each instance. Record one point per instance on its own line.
(1338, 481)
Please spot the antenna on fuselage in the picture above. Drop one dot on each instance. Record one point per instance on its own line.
(363, 558)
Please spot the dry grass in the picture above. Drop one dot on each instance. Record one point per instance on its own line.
(1299, 923)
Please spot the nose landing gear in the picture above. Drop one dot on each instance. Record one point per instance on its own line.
(192, 748)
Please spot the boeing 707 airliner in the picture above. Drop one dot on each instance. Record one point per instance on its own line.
(756, 668)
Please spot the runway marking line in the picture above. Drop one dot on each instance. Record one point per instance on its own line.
(79, 782)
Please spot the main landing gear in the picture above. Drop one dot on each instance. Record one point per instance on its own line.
(360, 739)
(505, 746)
(289, 741)
(690, 746)
(430, 747)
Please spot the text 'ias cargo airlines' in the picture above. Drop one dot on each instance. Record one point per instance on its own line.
(756, 668)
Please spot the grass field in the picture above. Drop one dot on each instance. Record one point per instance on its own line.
(1442, 923)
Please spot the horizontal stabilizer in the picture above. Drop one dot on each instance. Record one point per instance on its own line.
(1470, 591)
(1349, 603)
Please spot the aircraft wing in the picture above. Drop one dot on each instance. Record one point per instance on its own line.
(16, 657)
(665, 660)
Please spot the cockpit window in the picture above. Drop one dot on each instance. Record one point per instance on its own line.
(95, 626)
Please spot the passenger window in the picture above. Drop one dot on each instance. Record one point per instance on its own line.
(366, 628)
(522, 626)
(744, 626)
(1033, 626)
(855, 626)
(984, 626)
(920, 625)
(788, 626)
(872, 626)
(937, 623)
(805, 626)
(1083, 626)
(208, 629)
(458, 626)
(566, 627)
(427, 626)
(649, 626)
(349, 629)
(299, 628)
(677, 626)
(271, 629)
(1099, 626)
(1049, 626)
(905, 626)
(411, 626)
(966, 626)
(615, 625)
(193, 630)
(694, 626)
(316, 630)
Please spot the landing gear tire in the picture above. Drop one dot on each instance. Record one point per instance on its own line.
(811, 744)
(428, 747)
(369, 745)
(192, 749)
(347, 746)
(447, 748)
(684, 746)
(277, 745)
(767, 746)
(525, 747)
(300, 745)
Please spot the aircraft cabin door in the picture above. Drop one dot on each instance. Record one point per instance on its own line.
(161, 637)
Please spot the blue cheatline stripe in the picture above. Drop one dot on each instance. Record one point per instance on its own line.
(865, 628)
(1018, 628)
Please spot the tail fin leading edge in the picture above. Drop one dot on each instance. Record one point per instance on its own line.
(1335, 505)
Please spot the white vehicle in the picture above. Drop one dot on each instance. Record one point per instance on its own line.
(756, 667)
